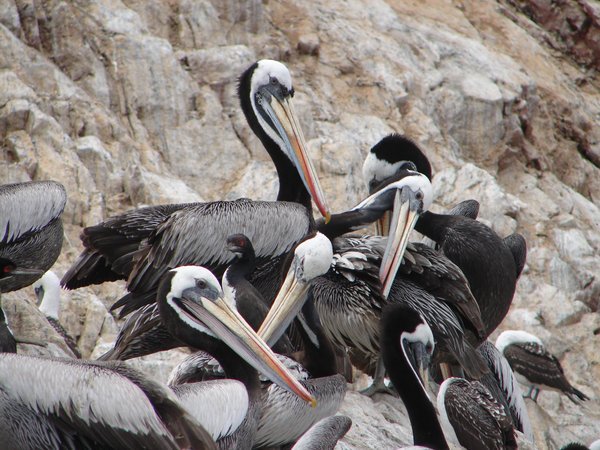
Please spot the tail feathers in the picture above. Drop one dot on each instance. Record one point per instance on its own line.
(469, 359)
(576, 396)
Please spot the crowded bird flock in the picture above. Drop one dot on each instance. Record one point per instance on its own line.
(278, 307)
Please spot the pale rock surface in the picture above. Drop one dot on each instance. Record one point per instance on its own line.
(134, 102)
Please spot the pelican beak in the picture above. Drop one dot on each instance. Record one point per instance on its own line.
(383, 224)
(229, 326)
(419, 360)
(289, 301)
(404, 217)
(283, 116)
(23, 271)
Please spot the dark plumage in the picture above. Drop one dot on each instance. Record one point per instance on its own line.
(490, 264)
(31, 230)
(478, 420)
(406, 345)
(142, 245)
(534, 365)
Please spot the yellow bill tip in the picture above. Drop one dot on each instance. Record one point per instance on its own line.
(313, 402)
(327, 217)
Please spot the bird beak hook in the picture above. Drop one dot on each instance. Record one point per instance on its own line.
(298, 153)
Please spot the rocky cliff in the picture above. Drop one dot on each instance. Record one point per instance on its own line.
(134, 102)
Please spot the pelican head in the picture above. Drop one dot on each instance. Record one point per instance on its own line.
(312, 258)
(391, 154)
(270, 112)
(408, 194)
(191, 296)
(9, 270)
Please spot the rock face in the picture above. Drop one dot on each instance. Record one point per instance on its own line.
(134, 102)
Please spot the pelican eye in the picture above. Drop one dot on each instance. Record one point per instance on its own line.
(429, 348)
(419, 195)
(274, 81)
(201, 284)
(408, 165)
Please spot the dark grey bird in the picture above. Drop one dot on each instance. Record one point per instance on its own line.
(535, 366)
(283, 416)
(47, 291)
(490, 264)
(56, 404)
(473, 416)
(324, 434)
(143, 244)
(350, 297)
(406, 347)
(265, 93)
(31, 231)
(476, 418)
(186, 295)
(8, 342)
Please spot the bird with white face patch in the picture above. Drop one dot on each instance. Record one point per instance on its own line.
(535, 366)
(142, 245)
(373, 271)
(283, 416)
(490, 264)
(470, 415)
(189, 301)
(47, 291)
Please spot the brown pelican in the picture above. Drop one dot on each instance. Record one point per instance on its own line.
(534, 365)
(56, 404)
(194, 308)
(143, 244)
(283, 417)
(47, 291)
(406, 345)
(467, 409)
(31, 230)
(195, 233)
(487, 261)
(324, 434)
(349, 298)
(190, 293)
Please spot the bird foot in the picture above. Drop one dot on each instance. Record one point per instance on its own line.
(378, 388)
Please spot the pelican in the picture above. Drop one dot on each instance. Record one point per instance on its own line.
(56, 404)
(469, 413)
(47, 291)
(234, 367)
(31, 231)
(283, 417)
(350, 297)
(489, 263)
(534, 365)
(143, 244)
(406, 344)
(195, 309)
(195, 233)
